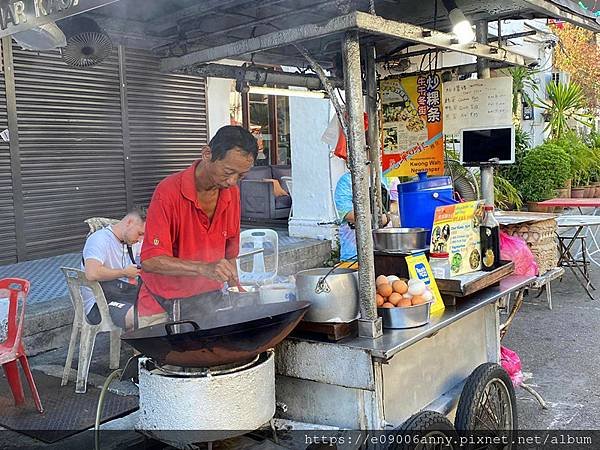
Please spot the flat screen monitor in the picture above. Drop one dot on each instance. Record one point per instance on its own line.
(480, 146)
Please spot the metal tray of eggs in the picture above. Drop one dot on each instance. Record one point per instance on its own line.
(403, 303)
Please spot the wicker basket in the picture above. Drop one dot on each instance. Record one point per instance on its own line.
(541, 239)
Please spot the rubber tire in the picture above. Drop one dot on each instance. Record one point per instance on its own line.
(472, 392)
(423, 422)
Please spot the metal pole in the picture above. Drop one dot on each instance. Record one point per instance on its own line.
(483, 71)
(369, 324)
(373, 137)
(14, 147)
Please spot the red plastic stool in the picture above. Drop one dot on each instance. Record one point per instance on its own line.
(12, 349)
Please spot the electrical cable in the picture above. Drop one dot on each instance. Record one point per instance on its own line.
(111, 377)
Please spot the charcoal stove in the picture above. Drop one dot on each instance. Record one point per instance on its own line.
(185, 405)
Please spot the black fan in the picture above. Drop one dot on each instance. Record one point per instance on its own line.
(87, 44)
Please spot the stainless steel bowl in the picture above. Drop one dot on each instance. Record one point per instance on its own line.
(249, 298)
(400, 239)
(405, 317)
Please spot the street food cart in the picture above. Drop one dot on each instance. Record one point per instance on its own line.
(380, 378)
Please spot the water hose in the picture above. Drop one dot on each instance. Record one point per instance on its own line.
(111, 377)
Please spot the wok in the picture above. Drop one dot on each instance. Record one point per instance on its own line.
(224, 337)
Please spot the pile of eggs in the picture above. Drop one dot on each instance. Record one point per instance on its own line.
(394, 292)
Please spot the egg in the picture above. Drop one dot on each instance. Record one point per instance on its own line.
(385, 290)
(400, 287)
(416, 287)
(394, 298)
(387, 305)
(392, 278)
(404, 303)
(380, 300)
(381, 279)
(427, 295)
(418, 300)
(407, 296)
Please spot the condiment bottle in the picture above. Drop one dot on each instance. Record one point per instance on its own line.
(440, 267)
(490, 241)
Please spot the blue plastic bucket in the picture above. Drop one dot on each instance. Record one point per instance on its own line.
(419, 199)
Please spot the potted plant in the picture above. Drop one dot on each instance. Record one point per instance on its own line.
(581, 157)
(565, 104)
(543, 170)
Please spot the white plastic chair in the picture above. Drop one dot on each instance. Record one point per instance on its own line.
(75, 281)
(260, 268)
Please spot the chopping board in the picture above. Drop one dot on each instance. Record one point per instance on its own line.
(470, 283)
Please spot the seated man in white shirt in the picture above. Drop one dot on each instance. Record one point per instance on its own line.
(111, 256)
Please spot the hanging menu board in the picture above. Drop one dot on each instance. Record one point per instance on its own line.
(477, 104)
(412, 125)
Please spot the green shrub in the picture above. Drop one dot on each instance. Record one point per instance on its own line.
(543, 169)
(581, 156)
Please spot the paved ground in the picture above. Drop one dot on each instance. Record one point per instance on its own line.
(559, 349)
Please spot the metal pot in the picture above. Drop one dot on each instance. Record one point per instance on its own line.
(400, 239)
(333, 294)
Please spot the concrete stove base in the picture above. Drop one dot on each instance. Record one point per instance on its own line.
(185, 410)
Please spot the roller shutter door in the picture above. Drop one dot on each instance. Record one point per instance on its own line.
(71, 148)
(167, 122)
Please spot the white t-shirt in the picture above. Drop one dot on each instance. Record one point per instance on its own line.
(104, 246)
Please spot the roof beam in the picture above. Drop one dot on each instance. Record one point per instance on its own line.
(259, 43)
(551, 10)
(414, 33)
(356, 20)
(260, 76)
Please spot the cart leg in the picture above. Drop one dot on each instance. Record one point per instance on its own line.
(549, 294)
(274, 430)
(535, 394)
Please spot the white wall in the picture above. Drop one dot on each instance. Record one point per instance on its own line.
(314, 171)
(217, 96)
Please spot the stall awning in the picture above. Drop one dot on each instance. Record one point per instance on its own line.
(187, 27)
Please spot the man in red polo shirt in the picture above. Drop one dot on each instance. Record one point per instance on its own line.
(193, 231)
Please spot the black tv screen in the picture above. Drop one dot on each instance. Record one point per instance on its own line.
(480, 146)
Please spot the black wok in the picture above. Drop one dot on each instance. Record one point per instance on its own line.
(224, 337)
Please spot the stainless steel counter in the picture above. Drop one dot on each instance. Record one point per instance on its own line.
(393, 341)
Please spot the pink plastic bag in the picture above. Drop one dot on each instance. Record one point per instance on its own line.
(512, 364)
(515, 249)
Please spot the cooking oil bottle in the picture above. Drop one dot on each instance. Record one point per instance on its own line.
(490, 241)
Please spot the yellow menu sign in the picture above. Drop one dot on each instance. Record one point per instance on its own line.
(456, 232)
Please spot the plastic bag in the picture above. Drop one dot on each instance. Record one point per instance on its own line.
(512, 364)
(513, 248)
(339, 138)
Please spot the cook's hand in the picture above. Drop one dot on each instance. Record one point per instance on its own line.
(222, 270)
(131, 271)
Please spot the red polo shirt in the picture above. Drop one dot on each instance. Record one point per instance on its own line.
(177, 226)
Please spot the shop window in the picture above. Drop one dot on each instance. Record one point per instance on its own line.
(268, 119)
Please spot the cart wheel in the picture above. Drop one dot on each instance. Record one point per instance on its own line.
(488, 405)
(424, 430)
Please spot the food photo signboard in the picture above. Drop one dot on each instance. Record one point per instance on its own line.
(456, 232)
(412, 139)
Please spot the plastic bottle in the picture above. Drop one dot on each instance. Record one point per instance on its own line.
(490, 241)
(440, 267)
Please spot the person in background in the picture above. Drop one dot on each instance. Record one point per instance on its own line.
(345, 209)
(193, 231)
(111, 256)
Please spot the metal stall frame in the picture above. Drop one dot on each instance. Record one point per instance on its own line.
(351, 25)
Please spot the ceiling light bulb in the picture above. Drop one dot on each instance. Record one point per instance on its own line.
(461, 27)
